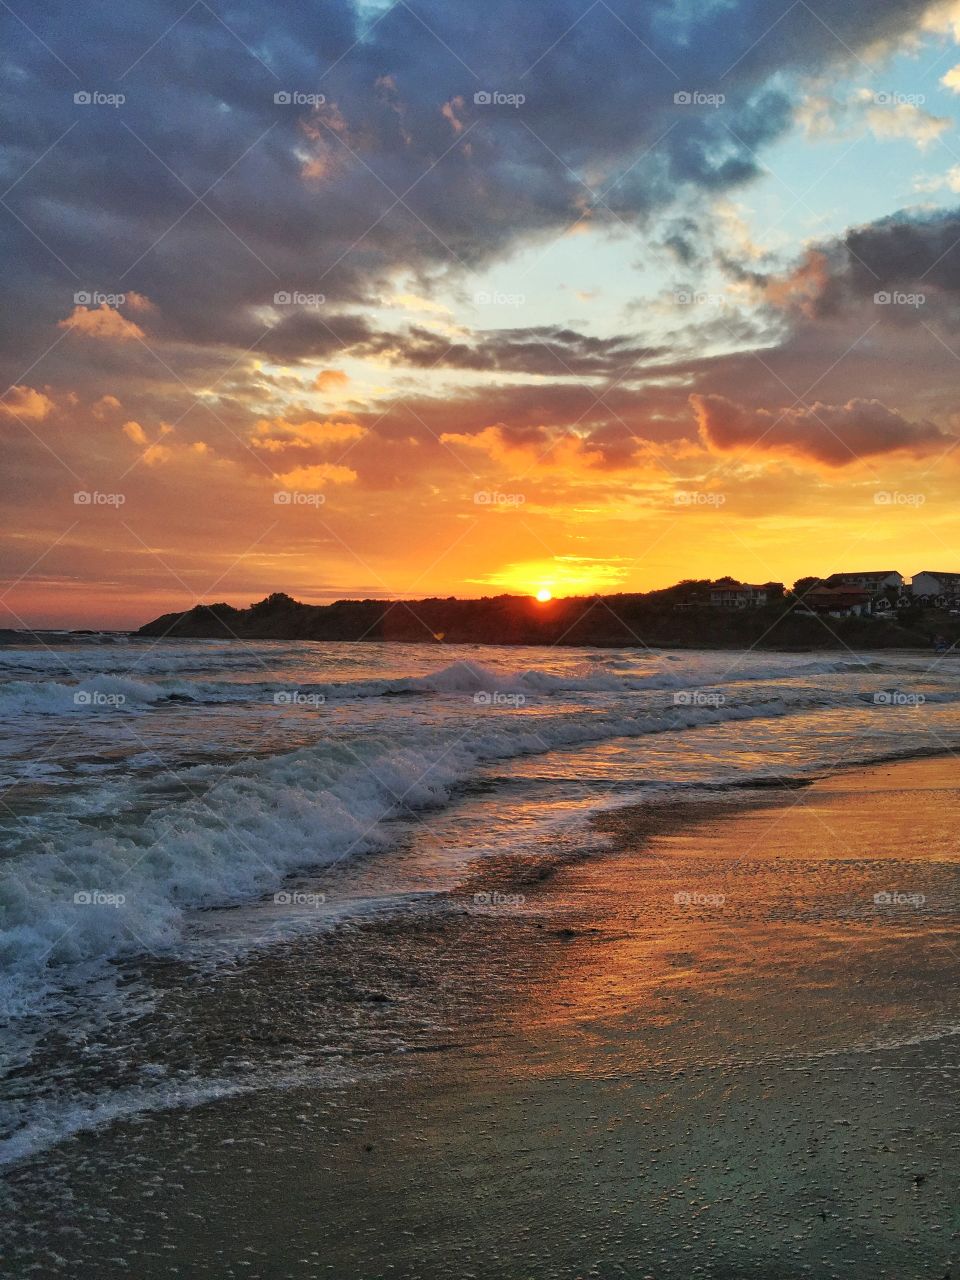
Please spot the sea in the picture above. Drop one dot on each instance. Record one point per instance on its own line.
(169, 808)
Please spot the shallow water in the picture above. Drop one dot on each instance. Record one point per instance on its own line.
(187, 803)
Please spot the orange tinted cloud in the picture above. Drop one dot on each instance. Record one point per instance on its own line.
(27, 403)
(133, 431)
(317, 476)
(105, 405)
(276, 434)
(330, 380)
(102, 323)
(528, 448)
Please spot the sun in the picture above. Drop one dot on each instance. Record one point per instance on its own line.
(543, 595)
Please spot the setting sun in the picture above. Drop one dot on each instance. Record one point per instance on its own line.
(543, 595)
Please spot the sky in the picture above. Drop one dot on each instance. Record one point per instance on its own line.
(379, 300)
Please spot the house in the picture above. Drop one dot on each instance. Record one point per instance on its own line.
(877, 582)
(838, 602)
(935, 590)
(744, 595)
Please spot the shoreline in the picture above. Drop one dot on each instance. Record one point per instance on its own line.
(41, 637)
(563, 1050)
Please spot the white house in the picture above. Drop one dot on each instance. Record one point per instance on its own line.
(929, 587)
(877, 581)
(744, 595)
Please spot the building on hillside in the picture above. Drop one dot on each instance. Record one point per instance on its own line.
(744, 595)
(877, 582)
(936, 590)
(839, 601)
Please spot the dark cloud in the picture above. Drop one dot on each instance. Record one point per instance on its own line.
(833, 434)
(206, 196)
(548, 350)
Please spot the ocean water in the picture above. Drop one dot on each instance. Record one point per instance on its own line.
(170, 803)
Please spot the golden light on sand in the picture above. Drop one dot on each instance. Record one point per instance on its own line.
(543, 595)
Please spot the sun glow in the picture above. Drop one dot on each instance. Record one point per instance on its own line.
(543, 595)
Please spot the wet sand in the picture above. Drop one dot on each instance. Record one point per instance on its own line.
(710, 1051)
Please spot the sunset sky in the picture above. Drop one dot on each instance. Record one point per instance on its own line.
(445, 298)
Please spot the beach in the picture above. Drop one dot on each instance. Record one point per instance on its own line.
(722, 1043)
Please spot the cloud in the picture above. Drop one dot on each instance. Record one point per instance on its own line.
(317, 477)
(103, 406)
(102, 323)
(529, 448)
(835, 435)
(401, 189)
(26, 403)
(549, 350)
(276, 434)
(330, 380)
(133, 431)
(887, 115)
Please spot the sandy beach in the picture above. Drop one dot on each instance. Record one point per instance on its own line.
(726, 1046)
